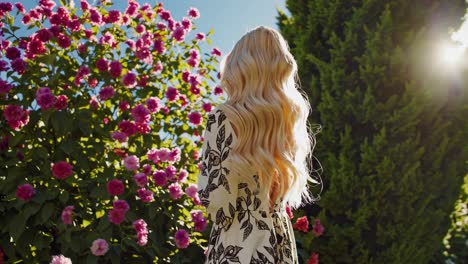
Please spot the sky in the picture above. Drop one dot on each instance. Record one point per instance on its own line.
(230, 19)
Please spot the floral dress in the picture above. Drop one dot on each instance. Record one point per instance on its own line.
(244, 230)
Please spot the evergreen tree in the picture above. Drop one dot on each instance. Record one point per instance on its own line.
(393, 125)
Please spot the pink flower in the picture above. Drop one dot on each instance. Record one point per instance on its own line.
(35, 46)
(158, 67)
(175, 191)
(193, 13)
(99, 247)
(140, 226)
(12, 53)
(92, 82)
(67, 215)
(102, 65)
(74, 25)
(160, 177)
(44, 97)
(94, 103)
(171, 94)
(147, 169)
(143, 128)
(60, 259)
(182, 238)
(25, 192)
(216, 52)
(153, 104)
(186, 24)
(3, 65)
(191, 190)
(141, 114)
(182, 175)
(302, 224)
(120, 205)
(114, 16)
(15, 116)
(116, 216)
(47, 3)
(140, 28)
(145, 195)
(171, 171)
(106, 92)
(5, 87)
(115, 187)
(62, 170)
(129, 80)
(64, 41)
(82, 48)
(179, 34)
(115, 69)
(20, 7)
(132, 8)
(128, 127)
(140, 179)
(26, 19)
(314, 258)
(161, 26)
(207, 107)
(142, 232)
(84, 5)
(159, 46)
(120, 136)
(61, 102)
(218, 90)
(43, 34)
(193, 62)
(318, 228)
(165, 15)
(195, 118)
(124, 106)
(131, 163)
(198, 219)
(200, 36)
(107, 39)
(95, 17)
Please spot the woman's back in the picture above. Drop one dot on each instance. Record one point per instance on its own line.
(245, 228)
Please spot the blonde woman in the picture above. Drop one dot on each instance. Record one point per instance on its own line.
(254, 154)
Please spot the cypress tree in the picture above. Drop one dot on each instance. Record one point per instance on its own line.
(392, 144)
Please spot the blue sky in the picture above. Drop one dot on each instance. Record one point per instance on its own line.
(230, 19)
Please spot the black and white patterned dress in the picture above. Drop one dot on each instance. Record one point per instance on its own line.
(244, 231)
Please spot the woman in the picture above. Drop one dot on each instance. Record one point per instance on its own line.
(254, 154)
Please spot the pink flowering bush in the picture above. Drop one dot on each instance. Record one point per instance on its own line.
(101, 113)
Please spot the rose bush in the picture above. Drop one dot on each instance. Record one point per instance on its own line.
(101, 116)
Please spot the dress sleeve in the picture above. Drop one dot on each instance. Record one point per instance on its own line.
(216, 186)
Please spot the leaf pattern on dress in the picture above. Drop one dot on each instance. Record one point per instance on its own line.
(244, 215)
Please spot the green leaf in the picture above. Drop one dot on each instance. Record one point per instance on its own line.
(91, 259)
(64, 197)
(61, 122)
(47, 211)
(115, 253)
(10, 19)
(16, 139)
(17, 226)
(68, 146)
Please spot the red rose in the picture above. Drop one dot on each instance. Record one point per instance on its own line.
(302, 224)
(61, 170)
(313, 259)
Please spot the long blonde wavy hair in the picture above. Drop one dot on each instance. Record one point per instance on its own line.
(269, 116)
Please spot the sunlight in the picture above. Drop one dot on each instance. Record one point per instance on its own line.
(461, 36)
(451, 54)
